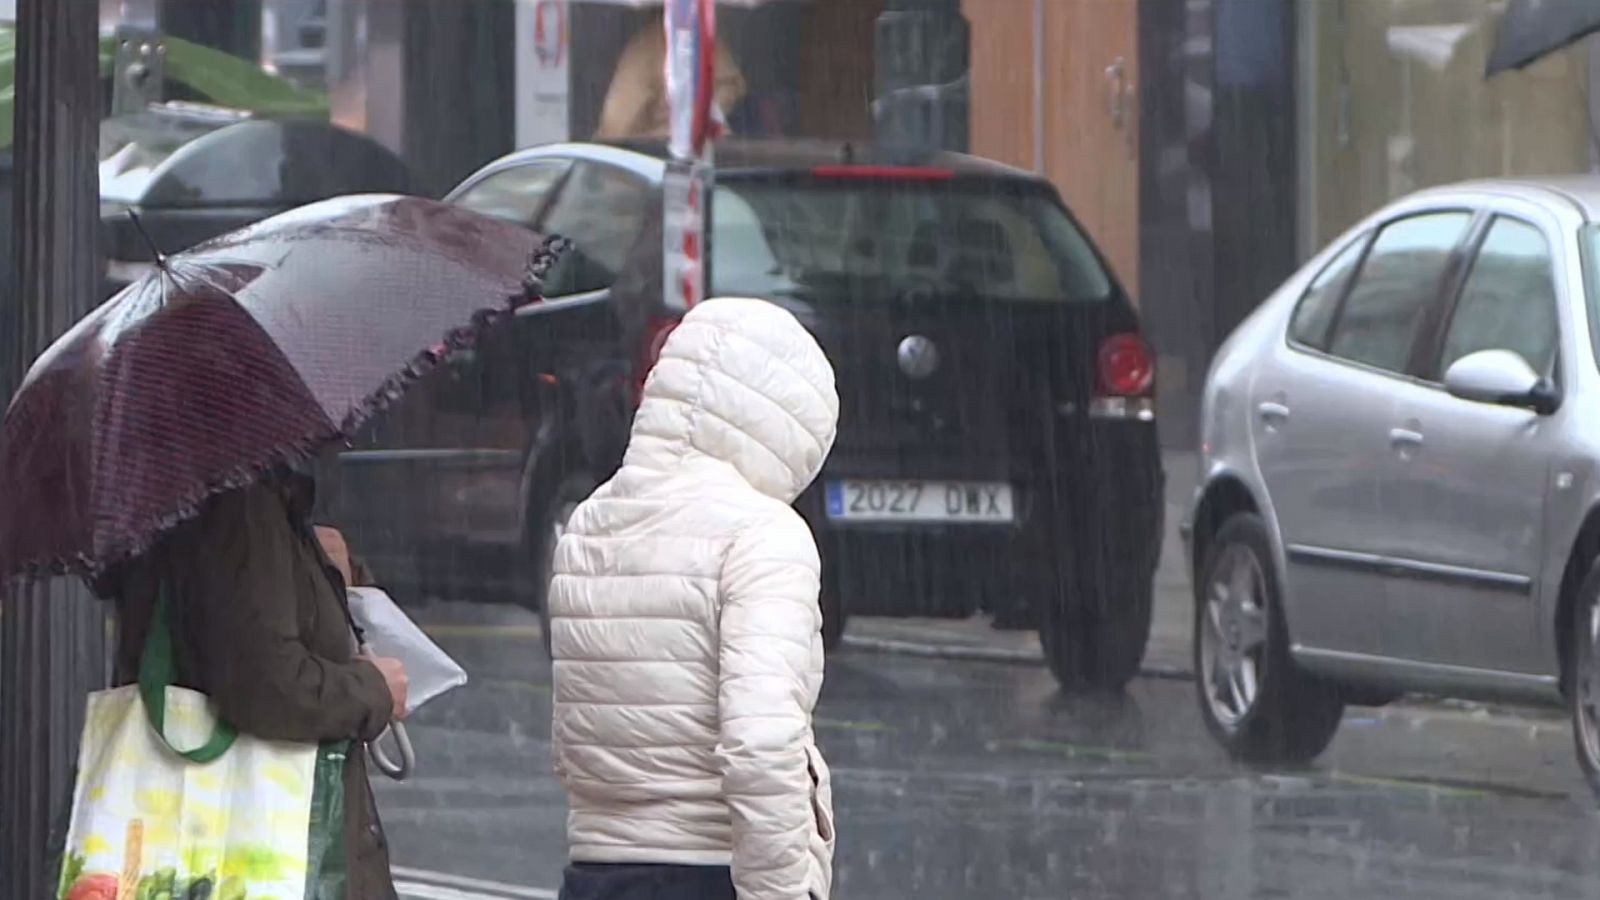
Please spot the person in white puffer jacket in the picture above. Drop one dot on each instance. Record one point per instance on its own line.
(686, 630)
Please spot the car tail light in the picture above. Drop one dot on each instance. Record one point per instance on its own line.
(1127, 367)
(655, 338)
(1127, 375)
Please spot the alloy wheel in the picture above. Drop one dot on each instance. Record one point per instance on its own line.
(1587, 685)
(1233, 635)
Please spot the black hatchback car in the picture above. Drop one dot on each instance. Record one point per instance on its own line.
(997, 449)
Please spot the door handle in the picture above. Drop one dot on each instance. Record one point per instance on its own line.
(1273, 412)
(1119, 103)
(1405, 437)
(1117, 94)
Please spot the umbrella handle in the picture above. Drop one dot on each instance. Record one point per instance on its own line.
(375, 751)
(408, 757)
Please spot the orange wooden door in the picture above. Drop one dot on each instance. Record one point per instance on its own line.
(1001, 111)
(1091, 121)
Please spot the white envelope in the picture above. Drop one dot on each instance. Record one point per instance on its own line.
(390, 632)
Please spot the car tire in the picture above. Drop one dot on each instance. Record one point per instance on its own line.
(834, 619)
(1583, 695)
(1255, 701)
(1095, 640)
(546, 533)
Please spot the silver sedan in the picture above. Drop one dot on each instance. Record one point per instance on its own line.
(1400, 482)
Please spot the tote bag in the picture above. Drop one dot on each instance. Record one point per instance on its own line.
(171, 804)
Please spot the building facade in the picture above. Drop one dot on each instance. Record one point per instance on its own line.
(1208, 145)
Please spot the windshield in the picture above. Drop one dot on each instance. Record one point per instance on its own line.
(882, 239)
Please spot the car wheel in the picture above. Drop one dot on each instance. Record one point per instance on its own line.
(1255, 701)
(833, 619)
(1584, 694)
(1095, 640)
(552, 525)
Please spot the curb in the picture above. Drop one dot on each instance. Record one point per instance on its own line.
(423, 884)
(973, 653)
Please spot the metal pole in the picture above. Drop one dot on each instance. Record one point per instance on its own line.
(52, 634)
(458, 82)
(1308, 20)
(1038, 86)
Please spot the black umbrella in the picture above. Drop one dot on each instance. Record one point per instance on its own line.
(1532, 29)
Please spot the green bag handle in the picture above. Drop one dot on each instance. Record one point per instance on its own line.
(159, 671)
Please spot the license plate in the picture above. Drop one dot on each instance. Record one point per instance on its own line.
(987, 502)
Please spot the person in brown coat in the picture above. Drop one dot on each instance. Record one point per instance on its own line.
(260, 624)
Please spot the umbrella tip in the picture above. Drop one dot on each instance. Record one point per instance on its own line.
(161, 258)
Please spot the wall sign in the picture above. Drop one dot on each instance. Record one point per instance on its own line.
(543, 65)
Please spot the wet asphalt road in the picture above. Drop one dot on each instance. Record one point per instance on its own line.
(977, 780)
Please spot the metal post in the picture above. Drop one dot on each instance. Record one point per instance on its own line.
(52, 634)
(922, 69)
(1038, 86)
(459, 85)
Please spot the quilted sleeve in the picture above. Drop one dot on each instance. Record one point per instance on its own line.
(769, 619)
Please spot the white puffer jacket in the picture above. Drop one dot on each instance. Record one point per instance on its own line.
(685, 624)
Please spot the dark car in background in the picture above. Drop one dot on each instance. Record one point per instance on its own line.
(193, 172)
(997, 449)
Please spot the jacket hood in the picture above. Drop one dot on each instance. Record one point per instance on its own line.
(742, 382)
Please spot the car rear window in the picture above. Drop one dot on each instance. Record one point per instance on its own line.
(887, 238)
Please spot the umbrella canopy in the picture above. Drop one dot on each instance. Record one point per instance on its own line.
(249, 351)
(1532, 29)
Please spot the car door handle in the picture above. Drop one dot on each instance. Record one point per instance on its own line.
(1405, 437)
(1272, 411)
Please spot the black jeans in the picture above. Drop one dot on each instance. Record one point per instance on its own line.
(625, 881)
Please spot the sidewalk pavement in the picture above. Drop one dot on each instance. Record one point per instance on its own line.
(1168, 653)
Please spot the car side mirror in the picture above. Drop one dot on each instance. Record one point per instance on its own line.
(1502, 378)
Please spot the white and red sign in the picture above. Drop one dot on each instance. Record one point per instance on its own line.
(543, 64)
(550, 33)
(686, 192)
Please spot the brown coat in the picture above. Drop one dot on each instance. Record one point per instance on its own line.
(260, 626)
